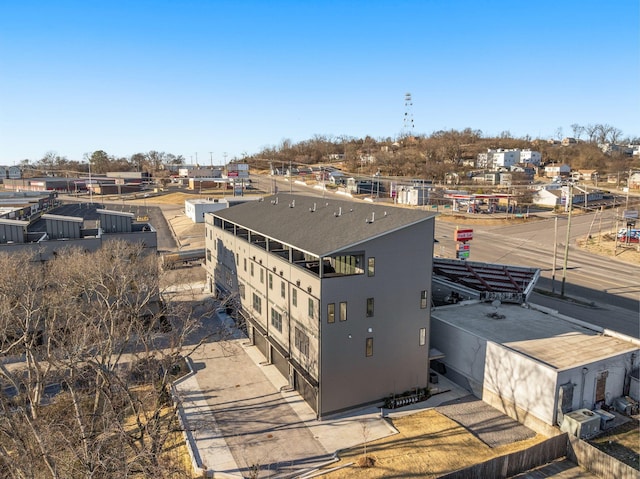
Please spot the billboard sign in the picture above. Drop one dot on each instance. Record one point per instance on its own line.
(464, 235)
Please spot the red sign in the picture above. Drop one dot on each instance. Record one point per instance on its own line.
(464, 235)
(232, 174)
(463, 247)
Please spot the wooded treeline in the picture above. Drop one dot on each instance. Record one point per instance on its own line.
(446, 151)
(425, 156)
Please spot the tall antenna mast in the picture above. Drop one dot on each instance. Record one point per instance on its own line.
(408, 115)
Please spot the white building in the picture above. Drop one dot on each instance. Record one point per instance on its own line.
(502, 158)
(195, 209)
(531, 157)
(533, 364)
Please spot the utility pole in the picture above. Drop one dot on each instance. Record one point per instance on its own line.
(626, 206)
(90, 185)
(555, 255)
(566, 246)
(211, 159)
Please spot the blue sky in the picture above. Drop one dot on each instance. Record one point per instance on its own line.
(214, 77)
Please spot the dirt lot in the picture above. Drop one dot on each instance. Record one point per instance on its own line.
(428, 445)
(605, 245)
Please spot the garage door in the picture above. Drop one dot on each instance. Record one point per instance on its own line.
(305, 389)
(280, 362)
(260, 341)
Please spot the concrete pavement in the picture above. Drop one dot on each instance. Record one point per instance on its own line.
(242, 418)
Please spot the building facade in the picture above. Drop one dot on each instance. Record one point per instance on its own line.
(336, 294)
(532, 363)
(506, 158)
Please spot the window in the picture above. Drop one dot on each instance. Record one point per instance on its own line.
(424, 296)
(423, 336)
(208, 255)
(369, 307)
(270, 281)
(371, 267)
(294, 297)
(245, 264)
(343, 311)
(251, 269)
(257, 303)
(349, 264)
(276, 319)
(331, 313)
(261, 276)
(241, 290)
(283, 289)
(301, 342)
(368, 351)
(237, 259)
(312, 308)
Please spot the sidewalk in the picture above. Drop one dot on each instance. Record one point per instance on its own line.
(242, 416)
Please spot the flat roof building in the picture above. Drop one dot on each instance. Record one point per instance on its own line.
(530, 362)
(84, 225)
(335, 293)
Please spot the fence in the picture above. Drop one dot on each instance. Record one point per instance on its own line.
(597, 461)
(516, 462)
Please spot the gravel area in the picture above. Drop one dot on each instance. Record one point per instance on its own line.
(485, 422)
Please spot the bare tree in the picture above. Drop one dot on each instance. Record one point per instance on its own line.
(591, 131)
(88, 349)
(578, 130)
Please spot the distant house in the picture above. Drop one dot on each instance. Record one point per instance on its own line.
(556, 169)
(549, 198)
(634, 180)
(584, 175)
(530, 157)
(609, 148)
(569, 141)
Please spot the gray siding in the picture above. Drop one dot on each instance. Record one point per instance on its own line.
(403, 268)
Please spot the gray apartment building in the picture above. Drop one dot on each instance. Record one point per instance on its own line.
(336, 294)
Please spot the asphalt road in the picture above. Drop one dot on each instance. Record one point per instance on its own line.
(604, 290)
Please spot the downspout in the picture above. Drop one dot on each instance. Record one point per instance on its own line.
(584, 376)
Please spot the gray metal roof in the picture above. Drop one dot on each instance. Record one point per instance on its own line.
(321, 226)
(544, 336)
(492, 281)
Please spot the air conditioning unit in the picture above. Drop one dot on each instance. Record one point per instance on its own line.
(582, 423)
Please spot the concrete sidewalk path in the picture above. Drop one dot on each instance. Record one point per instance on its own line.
(244, 418)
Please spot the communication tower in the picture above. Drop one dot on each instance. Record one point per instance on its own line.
(408, 115)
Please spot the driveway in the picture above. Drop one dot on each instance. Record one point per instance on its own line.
(244, 418)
